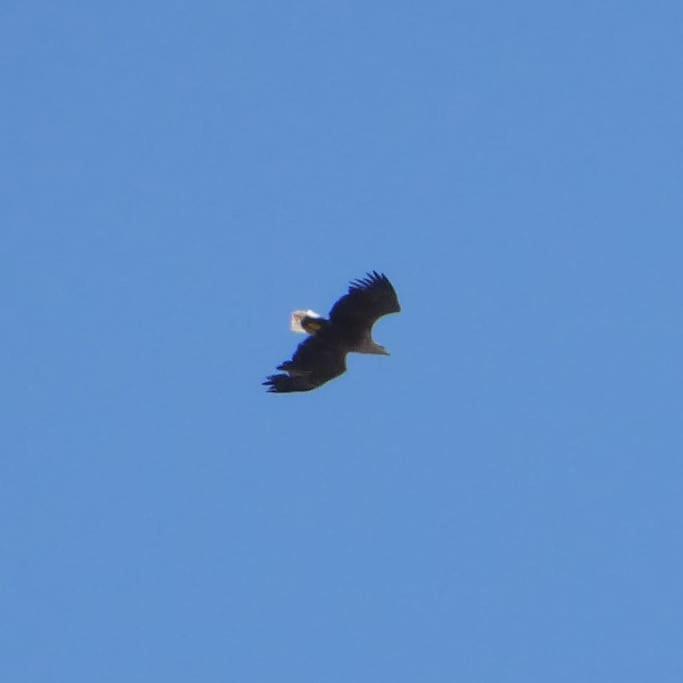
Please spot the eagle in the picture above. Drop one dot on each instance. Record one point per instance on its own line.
(322, 356)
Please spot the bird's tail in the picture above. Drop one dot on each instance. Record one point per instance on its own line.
(297, 318)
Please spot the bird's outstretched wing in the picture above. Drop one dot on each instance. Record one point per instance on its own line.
(316, 360)
(368, 298)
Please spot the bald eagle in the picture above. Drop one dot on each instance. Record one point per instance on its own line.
(322, 356)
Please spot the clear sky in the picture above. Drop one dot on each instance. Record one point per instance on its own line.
(498, 501)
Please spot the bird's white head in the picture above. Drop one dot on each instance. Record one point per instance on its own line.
(297, 317)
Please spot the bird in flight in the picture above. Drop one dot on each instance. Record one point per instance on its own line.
(322, 356)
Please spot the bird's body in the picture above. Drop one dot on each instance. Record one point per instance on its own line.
(322, 356)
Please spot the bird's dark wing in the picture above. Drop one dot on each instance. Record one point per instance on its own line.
(284, 384)
(368, 298)
(316, 360)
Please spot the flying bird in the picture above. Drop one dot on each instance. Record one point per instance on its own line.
(322, 356)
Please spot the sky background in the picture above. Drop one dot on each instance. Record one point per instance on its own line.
(500, 500)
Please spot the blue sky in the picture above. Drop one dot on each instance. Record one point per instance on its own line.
(500, 500)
